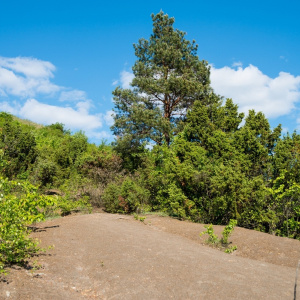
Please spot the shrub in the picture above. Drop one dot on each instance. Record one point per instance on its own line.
(20, 206)
(126, 197)
(67, 206)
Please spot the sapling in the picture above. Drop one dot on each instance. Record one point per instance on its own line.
(227, 231)
(223, 242)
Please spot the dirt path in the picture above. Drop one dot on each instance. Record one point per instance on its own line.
(103, 256)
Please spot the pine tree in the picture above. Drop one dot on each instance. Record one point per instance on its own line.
(168, 78)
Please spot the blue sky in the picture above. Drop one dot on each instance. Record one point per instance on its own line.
(60, 60)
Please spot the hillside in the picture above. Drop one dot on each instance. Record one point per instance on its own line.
(104, 256)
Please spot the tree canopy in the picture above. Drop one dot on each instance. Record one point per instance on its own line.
(168, 79)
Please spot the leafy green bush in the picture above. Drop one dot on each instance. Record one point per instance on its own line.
(18, 145)
(20, 206)
(126, 197)
(46, 171)
(66, 206)
(285, 206)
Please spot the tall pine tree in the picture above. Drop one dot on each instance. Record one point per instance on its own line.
(168, 78)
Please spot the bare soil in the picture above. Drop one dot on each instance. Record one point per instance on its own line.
(105, 256)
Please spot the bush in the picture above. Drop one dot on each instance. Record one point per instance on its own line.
(66, 206)
(126, 197)
(20, 206)
(18, 146)
(46, 171)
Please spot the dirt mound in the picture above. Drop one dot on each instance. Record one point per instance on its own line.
(103, 256)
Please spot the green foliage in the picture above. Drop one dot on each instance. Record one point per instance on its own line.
(215, 170)
(125, 197)
(285, 206)
(223, 242)
(52, 158)
(18, 146)
(98, 167)
(139, 218)
(212, 237)
(142, 219)
(257, 142)
(20, 206)
(287, 157)
(168, 78)
(130, 151)
(59, 155)
(65, 206)
(206, 178)
(213, 126)
(227, 231)
(46, 171)
(231, 249)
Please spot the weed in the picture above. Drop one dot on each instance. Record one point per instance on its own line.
(213, 239)
(137, 217)
(227, 231)
(36, 266)
(231, 249)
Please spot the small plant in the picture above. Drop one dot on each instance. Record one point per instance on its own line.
(227, 231)
(223, 242)
(231, 249)
(212, 237)
(142, 219)
(36, 266)
(137, 217)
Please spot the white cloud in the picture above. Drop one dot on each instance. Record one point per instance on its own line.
(7, 107)
(84, 106)
(100, 135)
(28, 66)
(126, 79)
(109, 117)
(74, 119)
(48, 114)
(237, 64)
(74, 95)
(252, 89)
(26, 77)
